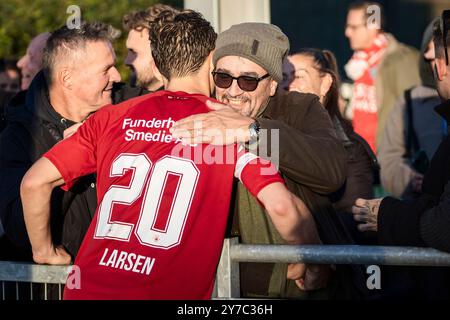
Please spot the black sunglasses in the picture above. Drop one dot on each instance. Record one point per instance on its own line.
(246, 83)
(445, 30)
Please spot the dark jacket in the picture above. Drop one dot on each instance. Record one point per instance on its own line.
(312, 162)
(424, 221)
(33, 128)
(408, 222)
(4, 99)
(362, 168)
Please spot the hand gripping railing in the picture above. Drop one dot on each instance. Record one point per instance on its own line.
(227, 281)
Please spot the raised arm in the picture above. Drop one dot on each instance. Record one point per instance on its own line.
(294, 222)
(289, 215)
(35, 191)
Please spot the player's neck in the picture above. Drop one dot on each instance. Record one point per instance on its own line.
(190, 84)
(154, 85)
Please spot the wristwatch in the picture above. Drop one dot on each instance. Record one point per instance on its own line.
(254, 131)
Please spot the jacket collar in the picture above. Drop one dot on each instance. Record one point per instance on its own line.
(267, 111)
(38, 103)
(392, 43)
(444, 110)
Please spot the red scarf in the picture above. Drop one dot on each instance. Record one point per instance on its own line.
(362, 69)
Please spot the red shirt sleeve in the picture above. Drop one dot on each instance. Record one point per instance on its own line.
(255, 173)
(75, 156)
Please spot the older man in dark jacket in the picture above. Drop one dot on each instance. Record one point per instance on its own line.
(57, 99)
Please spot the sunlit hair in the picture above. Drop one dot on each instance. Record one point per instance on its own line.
(142, 19)
(181, 42)
(64, 43)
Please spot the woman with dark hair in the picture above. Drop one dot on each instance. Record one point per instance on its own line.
(315, 71)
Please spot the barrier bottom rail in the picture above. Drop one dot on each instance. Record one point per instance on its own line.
(31, 281)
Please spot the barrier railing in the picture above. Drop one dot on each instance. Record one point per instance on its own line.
(227, 280)
(26, 281)
(15, 275)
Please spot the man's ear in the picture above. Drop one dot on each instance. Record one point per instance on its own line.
(325, 86)
(273, 87)
(440, 68)
(64, 78)
(209, 67)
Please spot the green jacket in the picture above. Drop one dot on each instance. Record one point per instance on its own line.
(397, 72)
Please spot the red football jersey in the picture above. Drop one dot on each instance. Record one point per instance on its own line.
(163, 206)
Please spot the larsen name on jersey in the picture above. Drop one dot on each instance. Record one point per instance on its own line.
(127, 261)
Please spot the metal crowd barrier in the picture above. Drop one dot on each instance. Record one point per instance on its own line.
(26, 281)
(227, 281)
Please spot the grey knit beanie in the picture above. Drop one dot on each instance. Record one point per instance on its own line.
(263, 43)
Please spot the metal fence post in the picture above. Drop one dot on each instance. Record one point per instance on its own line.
(227, 278)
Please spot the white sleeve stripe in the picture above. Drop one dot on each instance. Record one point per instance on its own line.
(242, 162)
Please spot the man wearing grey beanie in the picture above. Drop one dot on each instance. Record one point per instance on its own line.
(296, 131)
